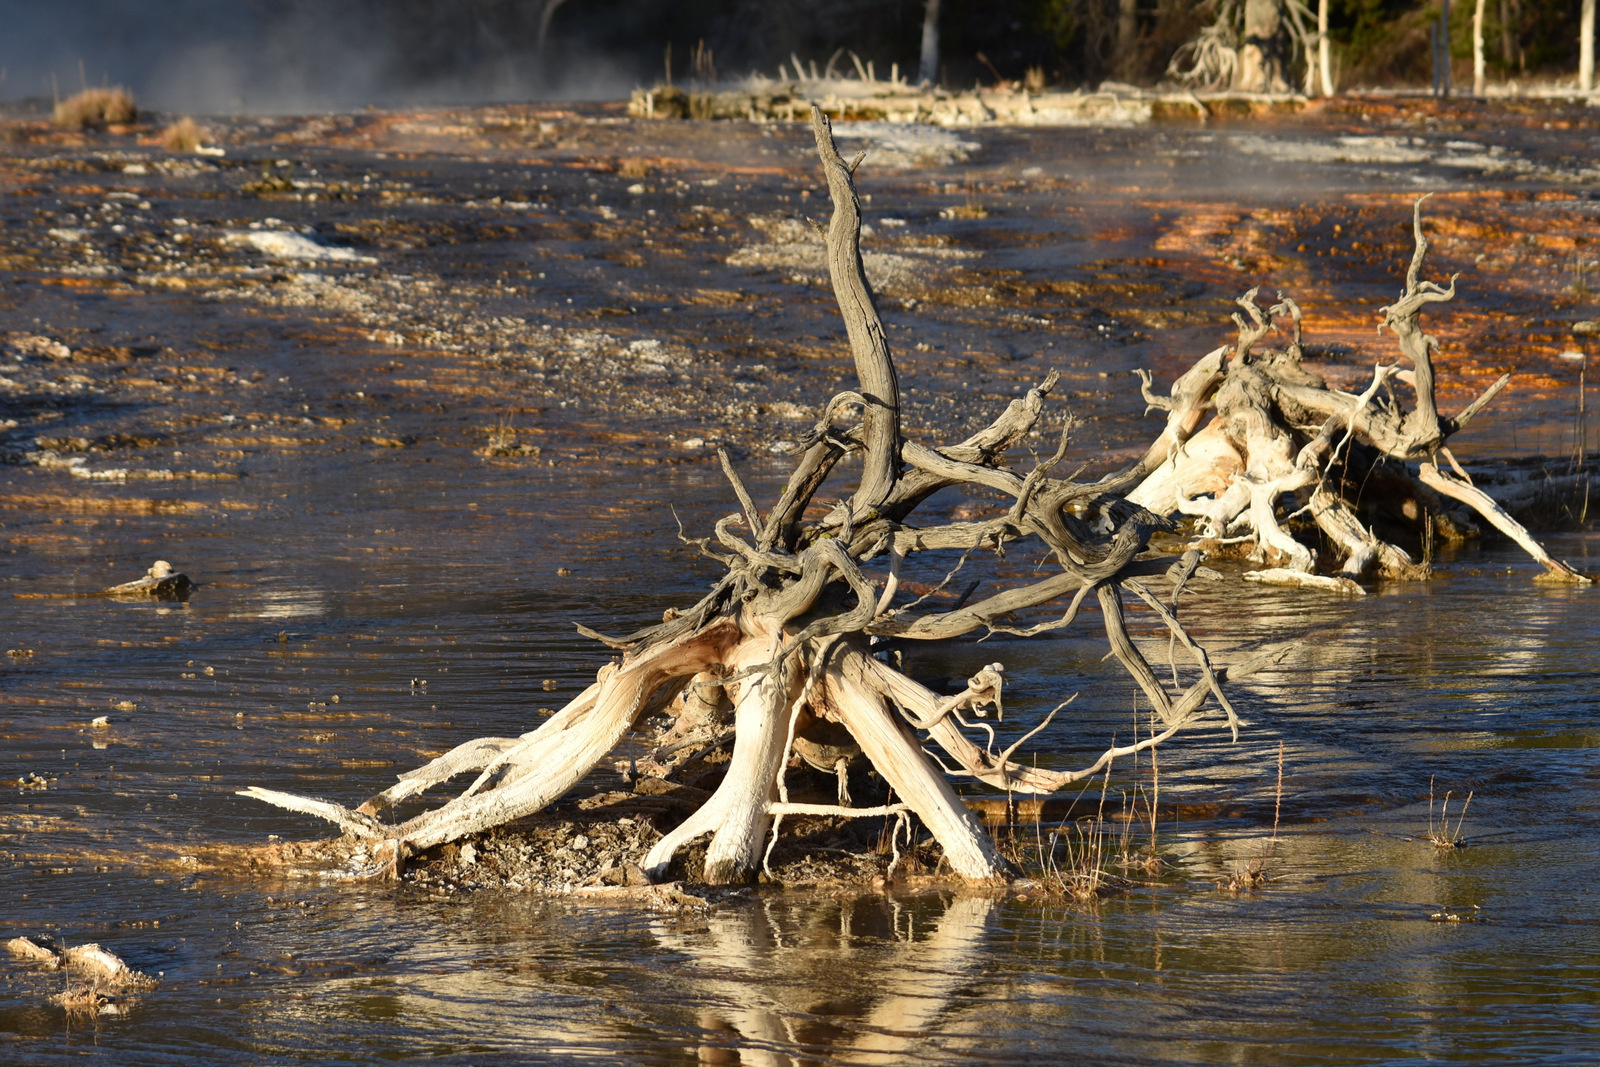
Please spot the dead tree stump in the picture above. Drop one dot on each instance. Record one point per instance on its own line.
(786, 636)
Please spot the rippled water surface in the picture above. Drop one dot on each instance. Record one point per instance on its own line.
(384, 554)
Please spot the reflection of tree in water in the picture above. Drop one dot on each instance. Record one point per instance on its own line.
(856, 980)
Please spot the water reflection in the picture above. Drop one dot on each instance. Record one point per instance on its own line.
(857, 980)
(1482, 680)
(1341, 958)
(295, 602)
(783, 980)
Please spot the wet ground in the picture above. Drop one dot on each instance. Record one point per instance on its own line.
(409, 394)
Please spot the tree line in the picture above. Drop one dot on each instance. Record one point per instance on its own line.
(1083, 43)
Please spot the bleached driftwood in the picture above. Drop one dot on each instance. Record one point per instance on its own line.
(785, 638)
(1253, 440)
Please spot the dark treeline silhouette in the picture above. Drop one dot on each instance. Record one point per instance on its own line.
(337, 53)
(1069, 42)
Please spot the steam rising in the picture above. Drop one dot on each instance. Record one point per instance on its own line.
(297, 55)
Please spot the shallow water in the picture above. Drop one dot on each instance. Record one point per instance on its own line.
(1335, 960)
(423, 587)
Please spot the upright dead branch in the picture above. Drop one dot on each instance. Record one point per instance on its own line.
(1421, 426)
(880, 390)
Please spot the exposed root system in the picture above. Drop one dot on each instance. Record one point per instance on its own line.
(792, 651)
(791, 658)
(1248, 428)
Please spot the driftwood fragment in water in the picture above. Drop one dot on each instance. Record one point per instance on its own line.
(1255, 445)
(783, 645)
(96, 977)
(160, 582)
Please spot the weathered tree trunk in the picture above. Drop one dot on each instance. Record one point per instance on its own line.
(1127, 38)
(1261, 66)
(1479, 69)
(928, 67)
(1325, 48)
(1586, 47)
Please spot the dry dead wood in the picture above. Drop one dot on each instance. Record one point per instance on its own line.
(785, 641)
(1261, 453)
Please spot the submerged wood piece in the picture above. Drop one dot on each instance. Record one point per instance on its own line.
(160, 582)
(1300, 579)
(101, 969)
(1485, 505)
(40, 950)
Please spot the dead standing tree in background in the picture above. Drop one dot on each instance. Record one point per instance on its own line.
(785, 635)
(1276, 431)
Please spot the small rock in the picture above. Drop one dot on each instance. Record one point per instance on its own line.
(469, 855)
(580, 843)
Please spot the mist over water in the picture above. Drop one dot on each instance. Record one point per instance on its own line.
(251, 57)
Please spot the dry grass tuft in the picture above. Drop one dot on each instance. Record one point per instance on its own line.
(1442, 836)
(185, 135)
(1081, 872)
(503, 442)
(634, 167)
(95, 109)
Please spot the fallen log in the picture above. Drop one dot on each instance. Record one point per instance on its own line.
(761, 99)
(789, 645)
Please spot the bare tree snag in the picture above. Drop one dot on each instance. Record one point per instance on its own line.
(1283, 453)
(795, 642)
(928, 56)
